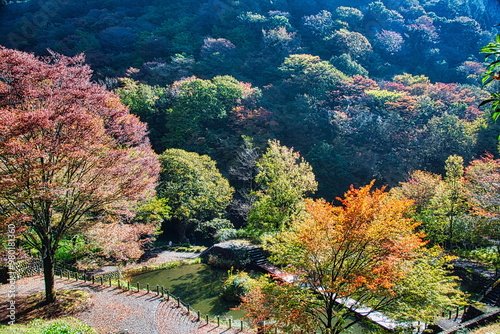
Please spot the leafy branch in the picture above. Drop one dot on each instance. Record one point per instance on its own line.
(492, 73)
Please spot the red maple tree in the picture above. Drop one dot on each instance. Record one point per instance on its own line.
(70, 152)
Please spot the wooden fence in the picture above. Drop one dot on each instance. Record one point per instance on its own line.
(159, 291)
(32, 267)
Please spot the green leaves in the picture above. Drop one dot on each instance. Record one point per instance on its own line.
(492, 73)
(285, 178)
(193, 187)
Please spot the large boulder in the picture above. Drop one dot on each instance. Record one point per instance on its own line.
(229, 254)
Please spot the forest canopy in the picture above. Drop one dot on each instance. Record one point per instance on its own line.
(360, 90)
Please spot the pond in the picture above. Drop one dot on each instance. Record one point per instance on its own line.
(199, 285)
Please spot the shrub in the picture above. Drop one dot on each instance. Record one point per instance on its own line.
(226, 234)
(235, 286)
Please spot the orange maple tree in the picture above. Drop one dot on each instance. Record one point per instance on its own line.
(343, 257)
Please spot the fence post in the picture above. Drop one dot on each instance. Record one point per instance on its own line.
(109, 280)
(119, 287)
(218, 321)
(101, 279)
(147, 287)
(198, 314)
(128, 285)
(168, 295)
(187, 308)
(241, 325)
(162, 292)
(206, 318)
(229, 321)
(178, 302)
(138, 286)
(157, 290)
(93, 279)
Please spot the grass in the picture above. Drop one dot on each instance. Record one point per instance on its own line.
(153, 267)
(67, 302)
(67, 325)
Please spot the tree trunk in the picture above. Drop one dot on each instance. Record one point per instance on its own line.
(181, 229)
(48, 275)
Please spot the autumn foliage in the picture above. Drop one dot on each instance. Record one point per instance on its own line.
(70, 153)
(343, 257)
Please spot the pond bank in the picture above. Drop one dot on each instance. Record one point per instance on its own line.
(113, 310)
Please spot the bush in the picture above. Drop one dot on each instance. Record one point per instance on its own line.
(222, 262)
(226, 234)
(210, 229)
(235, 286)
(65, 328)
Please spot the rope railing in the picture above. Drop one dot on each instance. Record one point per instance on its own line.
(160, 291)
(32, 267)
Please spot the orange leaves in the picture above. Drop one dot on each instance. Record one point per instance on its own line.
(359, 245)
(344, 257)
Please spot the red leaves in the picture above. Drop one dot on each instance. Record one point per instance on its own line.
(69, 150)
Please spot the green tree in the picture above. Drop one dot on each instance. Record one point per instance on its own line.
(440, 203)
(145, 101)
(284, 179)
(352, 16)
(193, 187)
(350, 42)
(321, 24)
(445, 135)
(455, 191)
(492, 56)
(199, 110)
(304, 73)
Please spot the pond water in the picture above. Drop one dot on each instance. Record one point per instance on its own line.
(199, 285)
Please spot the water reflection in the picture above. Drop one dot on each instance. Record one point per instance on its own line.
(199, 285)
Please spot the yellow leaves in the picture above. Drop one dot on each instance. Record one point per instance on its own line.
(113, 101)
(359, 245)
(4, 87)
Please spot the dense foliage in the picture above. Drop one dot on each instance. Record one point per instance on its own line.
(362, 253)
(71, 154)
(249, 39)
(193, 188)
(204, 73)
(253, 106)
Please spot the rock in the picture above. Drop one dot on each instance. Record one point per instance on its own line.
(229, 254)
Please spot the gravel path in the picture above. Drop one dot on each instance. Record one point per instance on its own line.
(113, 310)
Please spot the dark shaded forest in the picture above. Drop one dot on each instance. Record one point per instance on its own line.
(363, 90)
